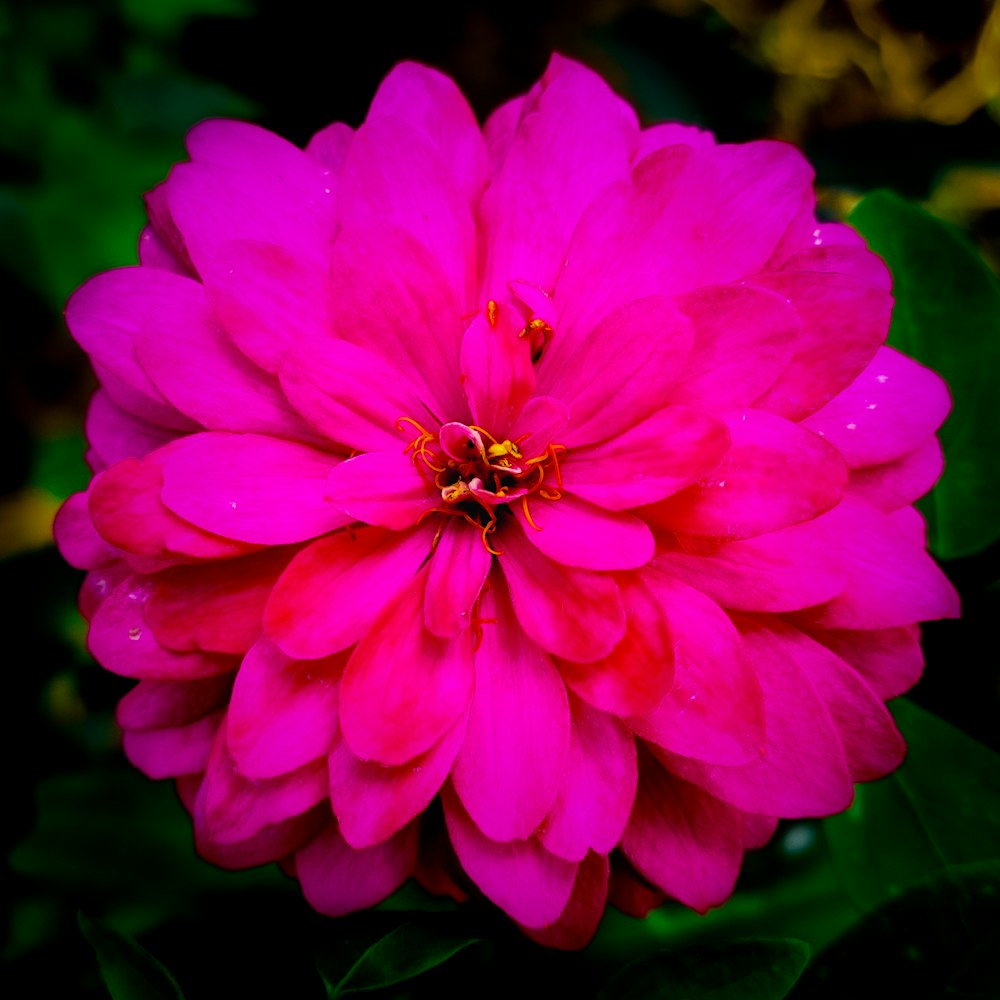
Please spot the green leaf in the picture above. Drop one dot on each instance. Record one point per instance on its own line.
(947, 316)
(942, 807)
(737, 970)
(403, 953)
(936, 940)
(128, 970)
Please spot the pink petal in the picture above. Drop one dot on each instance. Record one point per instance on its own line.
(890, 409)
(751, 491)
(329, 146)
(511, 764)
(734, 323)
(686, 218)
(403, 687)
(574, 137)
(283, 713)
(540, 423)
(430, 206)
(682, 839)
(191, 360)
(891, 580)
(671, 134)
(268, 298)
(597, 790)
(165, 704)
(520, 876)
(577, 533)
(497, 373)
(871, 742)
(156, 251)
(633, 678)
(105, 315)
(236, 807)
(127, 511)
(458, 571)
(122, 642)
(571, 613)
(114, 434)
(713, 711)
(218, 606)
(629, 891)
(252, 488)
(388, 489)
(577, 924)
(373, 801)
(672, 449)
(353, 396)
(336, 879)
(890, 660)
(237, 165)
(779, 571)
(834, 309)
(609, 391)
(334, 589)
(841, 250)
(901, 482)
(757, 830)
(170, 753)
(79, 543)
(802, 771)
(431, 103)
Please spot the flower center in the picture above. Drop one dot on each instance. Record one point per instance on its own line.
(476, 473)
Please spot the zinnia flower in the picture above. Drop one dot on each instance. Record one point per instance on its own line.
(524, 510)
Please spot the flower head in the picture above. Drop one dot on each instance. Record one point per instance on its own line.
(525, 510)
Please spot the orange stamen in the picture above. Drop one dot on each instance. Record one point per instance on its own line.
(491, 313)
(527, 513)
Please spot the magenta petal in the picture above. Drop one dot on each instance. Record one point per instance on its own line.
(236, 807)
(511, 764)
(578, 922)
(802, 771)
(577, 533)
(121, 640)
(751, 491)
(571, 613)
(540, 423)
(431, 103)
(458, 571)
(382, 488)
(336, 879)
(403, 687)
(871, 742)
(682, 839)
(333, 589)
(782, 570)
(268, 298)
(192, 361)
(79, 543)
(217, 606)
(733, 323)
(283, 712)
(252, 488)
(115, 434)
(889, 659)
(353, 396)
(598, 787)
(520, 876)
(633, 678)
(892, 407)
(164, 704)
(329, 146)
(174, 751)
(901, 482)
(497, 373)
(833, 308)
(609, 391)
(672, 449)
(713, 711)
(372, 801)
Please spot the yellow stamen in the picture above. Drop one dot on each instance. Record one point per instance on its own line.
(491, 313)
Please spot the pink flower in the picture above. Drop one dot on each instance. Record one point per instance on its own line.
(525, 510)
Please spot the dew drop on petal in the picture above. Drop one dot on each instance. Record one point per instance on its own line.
(135, 633)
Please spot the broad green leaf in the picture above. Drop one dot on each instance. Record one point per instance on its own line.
(936, 940)
(406, 951)
(128, 970)
(947, 316)
(738, 970)
(942, 807)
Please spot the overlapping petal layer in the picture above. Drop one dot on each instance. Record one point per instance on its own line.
(523, 510)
